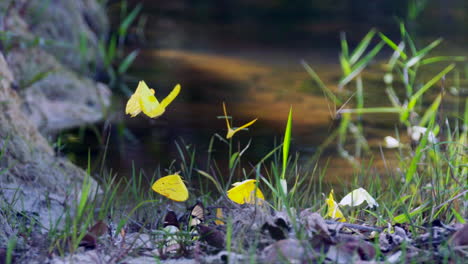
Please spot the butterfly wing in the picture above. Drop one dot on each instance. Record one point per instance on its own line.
(244, 192)
(171, 219)
(133, 107)
(172, 187)
(148, 102)
(197, 214)
(166, 101)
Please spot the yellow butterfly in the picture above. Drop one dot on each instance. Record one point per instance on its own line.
(231, 131)
(172, 187)
(144, 100)
(333, 209)
(243, 192)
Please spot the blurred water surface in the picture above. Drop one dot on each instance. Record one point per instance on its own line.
(248, 54)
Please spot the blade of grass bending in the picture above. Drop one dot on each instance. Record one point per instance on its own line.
(393, 45)
(413, 100)
(322, 86)
(286, 143)
(211, 178)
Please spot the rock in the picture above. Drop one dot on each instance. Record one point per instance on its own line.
(67, 23)
(89, 256)
(59, 99)
(351, 251)
(225, 257)
(145, 260)
(41, 91)
(286, 251)
(315, 226)
(42, 46)
(33, 179)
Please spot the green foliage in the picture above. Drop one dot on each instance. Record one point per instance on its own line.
(112, 48)
(286, 143)
(10, 248)
(353, 64)
(443, 167)
(430, 183)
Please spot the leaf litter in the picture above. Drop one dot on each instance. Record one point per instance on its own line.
(257, 232)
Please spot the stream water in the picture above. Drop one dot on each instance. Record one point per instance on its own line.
(255, 68)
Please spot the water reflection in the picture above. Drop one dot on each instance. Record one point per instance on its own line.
(252, 64)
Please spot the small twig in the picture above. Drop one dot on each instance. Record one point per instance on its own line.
(354, 226)
(450, 200)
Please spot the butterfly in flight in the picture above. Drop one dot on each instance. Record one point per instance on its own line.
(144, 100)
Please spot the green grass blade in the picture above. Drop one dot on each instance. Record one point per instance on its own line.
(405, 218)
(372, 110)
(287, 143)
(123, 67)
(431, 111)
(344, 46)
(10, 249)
(414, 99)
(429, 47)
(393, 45)
(212, 179)
(392, 96)
(330, 95)
(412, 169)
(362, 46)
(420, 54)
(129, 20)
(361, 64)
(36, 78)
(458, 216)
(111, 51)
(442, 59)
(233, 159)
(345, 66)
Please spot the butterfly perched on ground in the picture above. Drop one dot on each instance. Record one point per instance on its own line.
(246, 192)
(171, 220)
(171, 226)
(197, 215)
(144, 100)
(172, 187)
